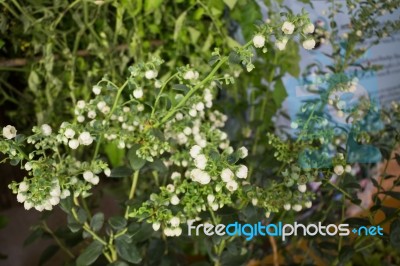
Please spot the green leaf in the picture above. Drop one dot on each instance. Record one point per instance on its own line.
(159, 166)
(345, 254)
(97, 221)
(279, 94)
(121, 171)
(395, 233)
(37, 233)
(181, 87)
(90, 255)
(232, 43)
(48, 253)
(179, 24)
(194, 34)
(117, 222)
(115, 155)
(135, 161)
(151, 5)
(127, 251)
(230, 3)
(140, 232)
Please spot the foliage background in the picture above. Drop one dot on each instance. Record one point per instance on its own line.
(64, 47)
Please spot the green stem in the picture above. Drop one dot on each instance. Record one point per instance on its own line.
(159, 94)
(96, 151)
(132, 191)
(58, 241)
(191, 92)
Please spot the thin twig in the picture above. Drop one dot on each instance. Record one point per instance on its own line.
(274, 250)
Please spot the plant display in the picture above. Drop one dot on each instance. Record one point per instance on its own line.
(162, 105)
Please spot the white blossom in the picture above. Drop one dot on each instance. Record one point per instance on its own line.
(243, 152)
(156, 226)
(73, 144)
(151, 74)
(65, 193)
(175, 175)
(347, 169)
(179, 116)
(297, 207)
(200, 176)
(193, 112)
(190, 74)
(227, 175)
(254, 201)
(28, 166)
(21, 197)
(85, 138)
(80, 118)
(46, 130)
(200, 106)
(96, 89)
(174, 221)
(69, 133)
(91, 114)
(309, 44)
(140, 107)
(338, 169)
(242, 171)
(308, 28)
(308, 204)
(28, 205)
(195, 150)
(232, 185)
(177, 231)
(95, 180)
(258, 41)
(54, 200)
(302, 188)
(288, 27)
(281, 44)
(138, 93)
(200, 161)
(9, 132)
(107, 171)
(170, 188)
(175, 200)
(55, 192)
(210, 198)
(81, 104)
(187, 131)
(88, 175)
(287, 206)
(294, 125)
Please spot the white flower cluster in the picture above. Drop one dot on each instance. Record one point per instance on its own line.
(54, 195)
(173, 229)
(191, 75)
(90, 177)
(67, 135)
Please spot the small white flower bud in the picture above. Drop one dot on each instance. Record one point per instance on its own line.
(258, 41)
(156, 226)
(338, 169)
(302, 188)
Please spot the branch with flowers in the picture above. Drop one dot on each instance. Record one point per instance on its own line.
(181, 166)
